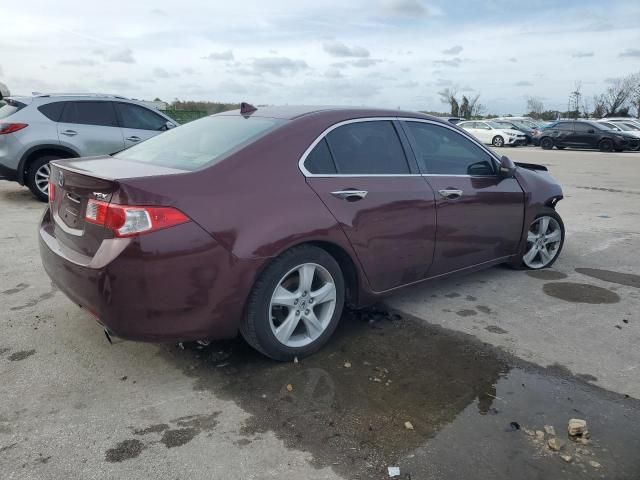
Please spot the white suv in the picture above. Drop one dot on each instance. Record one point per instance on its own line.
(35, 130)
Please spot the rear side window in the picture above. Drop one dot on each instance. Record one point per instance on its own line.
(200, 143)
(367, 148)
(442, 151)
(568, 126)
(583, 127)
(134, 116)
(9, 107)
(319, 161)
(89, 113)
(53, 111)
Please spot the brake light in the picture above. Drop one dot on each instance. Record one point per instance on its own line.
(11, 127)
(52, 191)
(127, 221)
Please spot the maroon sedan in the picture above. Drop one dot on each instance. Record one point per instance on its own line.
(269, 220)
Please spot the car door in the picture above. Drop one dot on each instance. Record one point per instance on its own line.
(479, 214)
(563, 134)
(89, 127)
(584, 135)
(361, 172)
(485, 132)
(138, 123)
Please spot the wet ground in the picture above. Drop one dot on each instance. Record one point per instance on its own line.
(473, 410)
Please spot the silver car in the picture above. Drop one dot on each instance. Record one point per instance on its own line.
(35, 130)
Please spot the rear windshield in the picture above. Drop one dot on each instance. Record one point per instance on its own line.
(9, 107)
(200, 143)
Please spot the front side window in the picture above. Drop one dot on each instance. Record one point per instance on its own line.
(442, 151)
(484, 126)
(135, 116)
(89, 113)
(367, 148)
(200, 143)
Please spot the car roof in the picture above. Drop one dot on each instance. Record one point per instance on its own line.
(291, 112)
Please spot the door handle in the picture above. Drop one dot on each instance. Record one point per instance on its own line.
(350, 195)
(451, 194)
(69, 133)
(133, 139)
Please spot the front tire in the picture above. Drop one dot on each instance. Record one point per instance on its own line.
(545, 239)
(546, 143)
(38, 176)
(497, 141)
(605, 145)
(295, 305)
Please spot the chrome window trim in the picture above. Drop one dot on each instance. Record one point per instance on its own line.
(320, 137)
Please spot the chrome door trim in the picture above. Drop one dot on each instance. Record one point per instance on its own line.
(320, 137)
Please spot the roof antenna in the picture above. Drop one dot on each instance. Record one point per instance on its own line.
(247, 108)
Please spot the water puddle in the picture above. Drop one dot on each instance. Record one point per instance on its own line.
(347, 405)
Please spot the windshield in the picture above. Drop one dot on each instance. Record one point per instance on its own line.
(200, 143)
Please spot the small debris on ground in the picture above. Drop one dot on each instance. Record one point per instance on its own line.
(408, 425)
(577, 427)
(394, 471)
(289, 387)
(594, 464)
(555, 444)
(376, 379)
(566, 458)
(122, 379)
(347, 364)
(295, 359)
(539, 434)
(513, 426)
(550, 430)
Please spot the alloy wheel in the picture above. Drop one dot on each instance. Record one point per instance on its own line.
(42, 178)
(543, 242)
(302, 305)
(498, 141)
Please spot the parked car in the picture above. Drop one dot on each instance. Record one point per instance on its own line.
(528, 132)
(454, 120)
(623, 127)
(493, 133)
(35, 130)
(585, 134)
(268, 221)
(626, 120)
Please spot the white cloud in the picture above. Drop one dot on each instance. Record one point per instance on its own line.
(78, 62)
(339, 49)
(630, 52)
(278, 65)
(410, 8)
(455, 50)
(226, 55)
(123, 56)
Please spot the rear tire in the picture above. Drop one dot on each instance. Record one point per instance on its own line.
(497, 141)
(605, 145)
(38, 176)
(546, 143)
(271, 309)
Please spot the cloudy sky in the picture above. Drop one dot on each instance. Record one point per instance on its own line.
(391, 53)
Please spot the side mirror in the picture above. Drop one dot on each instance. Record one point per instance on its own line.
(168, 126)
(507, 167)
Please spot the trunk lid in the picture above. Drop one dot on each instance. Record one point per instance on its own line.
(79, 180)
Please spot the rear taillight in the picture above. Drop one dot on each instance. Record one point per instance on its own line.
(52, 191)
(127, 221)
(11, 127)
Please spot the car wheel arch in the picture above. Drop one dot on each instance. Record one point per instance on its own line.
(35, 152)
(353, 277)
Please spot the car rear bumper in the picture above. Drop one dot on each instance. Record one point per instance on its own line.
(176, 284)
(8, 173)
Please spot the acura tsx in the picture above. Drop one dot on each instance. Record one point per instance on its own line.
(268, 221)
